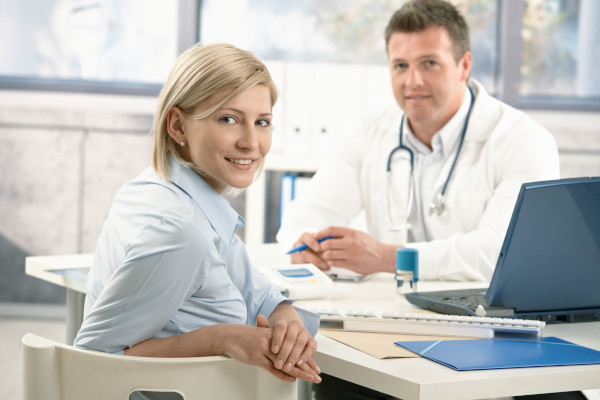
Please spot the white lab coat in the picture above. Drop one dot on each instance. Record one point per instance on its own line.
(503, 148)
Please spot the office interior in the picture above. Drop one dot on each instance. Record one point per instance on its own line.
(78, 91)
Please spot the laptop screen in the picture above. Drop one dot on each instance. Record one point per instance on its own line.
(550, 259)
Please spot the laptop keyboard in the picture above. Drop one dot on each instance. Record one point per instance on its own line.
(471, 302)
(428, 324)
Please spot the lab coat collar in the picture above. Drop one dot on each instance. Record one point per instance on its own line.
(222, 217)
(449, 135)
(480, 128)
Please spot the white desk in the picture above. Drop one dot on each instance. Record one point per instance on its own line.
(39, 267)
(409, 379)
(418, 378)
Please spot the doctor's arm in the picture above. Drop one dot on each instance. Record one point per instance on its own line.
(332, 198)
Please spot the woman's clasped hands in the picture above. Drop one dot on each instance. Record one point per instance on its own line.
(285, 350)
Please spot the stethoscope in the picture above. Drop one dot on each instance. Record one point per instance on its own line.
(438, 205)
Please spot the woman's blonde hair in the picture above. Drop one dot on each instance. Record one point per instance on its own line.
(200, 72)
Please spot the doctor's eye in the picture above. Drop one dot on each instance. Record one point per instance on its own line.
(400, 66)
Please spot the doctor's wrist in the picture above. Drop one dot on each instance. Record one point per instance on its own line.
(389, 260)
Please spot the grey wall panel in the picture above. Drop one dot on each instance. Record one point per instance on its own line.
(39, 200)
(110, 160)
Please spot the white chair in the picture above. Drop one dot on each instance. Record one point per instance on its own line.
(56, 371)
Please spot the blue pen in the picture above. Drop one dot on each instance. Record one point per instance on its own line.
(305, 246)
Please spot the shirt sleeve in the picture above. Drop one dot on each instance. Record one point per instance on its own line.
(162, 267)
(260, 296)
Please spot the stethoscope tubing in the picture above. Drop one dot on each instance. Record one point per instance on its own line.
(438, 205)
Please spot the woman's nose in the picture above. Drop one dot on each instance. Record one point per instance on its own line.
(249, 139)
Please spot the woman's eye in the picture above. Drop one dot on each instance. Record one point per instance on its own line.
(263, 122)
(228, 120)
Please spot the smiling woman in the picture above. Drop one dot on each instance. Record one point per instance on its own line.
(228, 146)
(170, 278)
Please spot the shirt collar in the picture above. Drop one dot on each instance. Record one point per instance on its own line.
(222, 217)
(444, 141)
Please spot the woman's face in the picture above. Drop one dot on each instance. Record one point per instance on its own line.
(230, 145)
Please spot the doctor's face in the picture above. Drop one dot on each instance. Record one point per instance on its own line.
(427, 81)
(230, 145)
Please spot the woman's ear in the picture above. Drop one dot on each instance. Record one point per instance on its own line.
(175, 125)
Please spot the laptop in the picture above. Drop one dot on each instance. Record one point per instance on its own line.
(549, 265)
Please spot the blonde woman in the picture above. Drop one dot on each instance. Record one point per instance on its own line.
(170, 278)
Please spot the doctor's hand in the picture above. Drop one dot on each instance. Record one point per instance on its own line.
(312, 254)
(354, 250)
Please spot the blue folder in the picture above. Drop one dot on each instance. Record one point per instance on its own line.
(478, 354)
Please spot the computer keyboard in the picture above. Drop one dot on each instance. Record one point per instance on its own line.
(428, 324)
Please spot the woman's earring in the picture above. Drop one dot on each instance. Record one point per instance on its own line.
(182, 144)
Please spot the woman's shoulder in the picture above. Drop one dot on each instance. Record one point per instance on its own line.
(151, 198)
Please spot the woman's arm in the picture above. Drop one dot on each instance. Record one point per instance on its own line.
(247, 344)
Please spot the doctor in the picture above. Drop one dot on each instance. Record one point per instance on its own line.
(440, 172)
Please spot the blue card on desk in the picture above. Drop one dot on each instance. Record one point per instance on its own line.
(479, 354)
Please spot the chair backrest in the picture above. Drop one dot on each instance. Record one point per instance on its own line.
(56, 371)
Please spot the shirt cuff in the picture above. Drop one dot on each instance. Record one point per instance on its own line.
(310, 320)
(269, 305)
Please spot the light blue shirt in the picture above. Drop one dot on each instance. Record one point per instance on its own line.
(168, 262)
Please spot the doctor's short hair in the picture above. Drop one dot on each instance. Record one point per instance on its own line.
(418, 15)
(200, 72)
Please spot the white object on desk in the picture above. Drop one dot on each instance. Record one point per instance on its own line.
(299, 281)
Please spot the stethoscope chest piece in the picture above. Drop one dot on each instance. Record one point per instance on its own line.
(437, 206)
